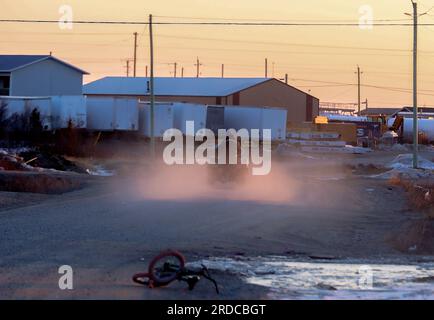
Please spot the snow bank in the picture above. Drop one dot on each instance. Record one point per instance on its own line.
(405, 161)
(404, 173)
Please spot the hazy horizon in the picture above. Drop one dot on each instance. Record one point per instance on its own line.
(322, 59)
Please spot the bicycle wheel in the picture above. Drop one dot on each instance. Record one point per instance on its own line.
(140, 278)
(165, 267)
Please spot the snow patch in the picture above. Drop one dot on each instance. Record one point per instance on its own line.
(100, 171)
(404, 161)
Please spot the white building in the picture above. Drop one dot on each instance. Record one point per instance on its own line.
(38, 75)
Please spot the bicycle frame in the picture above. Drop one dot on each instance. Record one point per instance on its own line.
(172, 272)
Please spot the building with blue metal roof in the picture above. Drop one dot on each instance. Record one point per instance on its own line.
(257, 92)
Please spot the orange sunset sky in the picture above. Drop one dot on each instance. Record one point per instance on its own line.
(316, 58)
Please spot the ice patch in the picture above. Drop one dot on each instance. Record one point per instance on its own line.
(290, 279)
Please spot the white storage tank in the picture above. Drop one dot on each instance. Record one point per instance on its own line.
(424, 125)
(163, 118)
(69, 109)
(240, 117)
(25, 105)
(108, 114)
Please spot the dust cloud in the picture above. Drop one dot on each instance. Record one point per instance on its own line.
(302, 181)
(285, 184)
(195, 182)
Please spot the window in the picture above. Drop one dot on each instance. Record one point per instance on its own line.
(4, 85)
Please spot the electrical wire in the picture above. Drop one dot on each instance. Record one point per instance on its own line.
(234, 23)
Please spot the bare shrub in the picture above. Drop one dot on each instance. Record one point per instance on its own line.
(3, 119)
(420, 194)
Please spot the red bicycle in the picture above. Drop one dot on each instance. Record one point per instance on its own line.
(169, 266)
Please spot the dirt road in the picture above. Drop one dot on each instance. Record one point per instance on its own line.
(107, 231)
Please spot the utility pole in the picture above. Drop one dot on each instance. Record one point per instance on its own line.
(146, 71)
(358, 89)
(175, 67)
(135, 54)
(197, 64)
(366, 104)
(223, 70)
(415, 16)
(151, 82)
(127, 67)
(415, 123)
(286, 78)
(266, 68)
(182, 72)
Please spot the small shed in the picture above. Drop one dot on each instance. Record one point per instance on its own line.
(38, 75)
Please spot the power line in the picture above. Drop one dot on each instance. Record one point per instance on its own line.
(292, 52)
(428, 11)
(210, 39)
(72, 33)
(234, 23)
(396, 89)
(282, 43)
(326, 86)
(276, 20)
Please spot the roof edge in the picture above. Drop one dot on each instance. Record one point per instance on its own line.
(47, 58)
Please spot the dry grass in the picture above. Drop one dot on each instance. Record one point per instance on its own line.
(420, 194)
(36, 182)
(418, 236)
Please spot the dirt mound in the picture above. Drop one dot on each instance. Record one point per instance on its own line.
(10, 161)
(40, 182)
(48, 160)
(365, 169)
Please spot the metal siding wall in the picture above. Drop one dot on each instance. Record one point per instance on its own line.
(315, 111)
(277, 94)
(309, 108)
(46, 78)
(236, 99)
(186, 99)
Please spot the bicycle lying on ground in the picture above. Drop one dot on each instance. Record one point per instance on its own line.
(169, 266)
